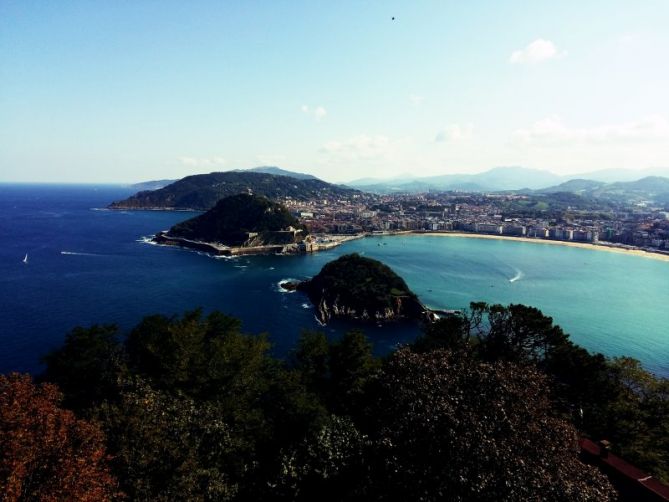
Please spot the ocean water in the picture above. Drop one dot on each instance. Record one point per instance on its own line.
(89, 265)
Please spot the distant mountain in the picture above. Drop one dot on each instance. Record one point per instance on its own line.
(203, 191)
(497, 179)
(277, 171)
(616, 175)
(151, 185)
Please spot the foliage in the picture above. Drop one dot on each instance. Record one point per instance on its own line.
(233, 217)
(46, 453)
(88, 365)
(484, 406)
(616, 400)
(171, 447)
(203, 191)
(458, 428)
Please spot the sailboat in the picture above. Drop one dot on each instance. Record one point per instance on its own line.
(25, 260)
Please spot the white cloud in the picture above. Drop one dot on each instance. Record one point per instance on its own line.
(552, 131)
(317, 112)
(361, 147)
(455, 133)
(202, 161)
(416, 99)
(536, 52)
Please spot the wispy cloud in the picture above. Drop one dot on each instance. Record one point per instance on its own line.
(553, 131)
(317, 112)
(416, 99)
(271, 159)
(361, 147)
(202, 161)
(536, 52)
(455, 133)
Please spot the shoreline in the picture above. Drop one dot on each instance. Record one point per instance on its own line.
(583, 245)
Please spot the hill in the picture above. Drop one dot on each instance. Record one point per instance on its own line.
(650, 188)
(242, 220)
(356, 287)
(203, 191)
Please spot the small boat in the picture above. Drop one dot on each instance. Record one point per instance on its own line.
(25, 259)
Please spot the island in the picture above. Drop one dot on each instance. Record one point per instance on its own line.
(356, 287)
(245, 224)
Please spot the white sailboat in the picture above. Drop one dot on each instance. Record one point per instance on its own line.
(25, 259)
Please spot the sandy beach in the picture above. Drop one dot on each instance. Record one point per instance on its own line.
(583, 245)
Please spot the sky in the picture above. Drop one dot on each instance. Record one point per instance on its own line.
(133, 90)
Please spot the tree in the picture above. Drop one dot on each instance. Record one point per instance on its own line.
(87, 367)
(46, 453)
(170, 447)
(449, 426)
(352, 367)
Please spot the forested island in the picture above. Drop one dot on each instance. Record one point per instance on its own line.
(486, 405)
(356, 287)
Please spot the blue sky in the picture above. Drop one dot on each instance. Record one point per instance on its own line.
(135, 90)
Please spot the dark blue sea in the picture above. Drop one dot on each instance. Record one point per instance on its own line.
(90, 265)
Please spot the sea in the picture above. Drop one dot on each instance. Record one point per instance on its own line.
(90, 265)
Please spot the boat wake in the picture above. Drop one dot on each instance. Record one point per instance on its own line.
(519, 275)
(75, 253)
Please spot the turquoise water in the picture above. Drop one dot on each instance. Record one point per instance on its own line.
(609, 302)
(90, 266)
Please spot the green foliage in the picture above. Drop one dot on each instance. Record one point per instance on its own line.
(233, 217)
(88, 365)
(203, 191)
(480, 409)
(452, 427)
(168, 447)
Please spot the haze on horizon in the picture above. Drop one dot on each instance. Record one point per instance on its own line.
(131, 91)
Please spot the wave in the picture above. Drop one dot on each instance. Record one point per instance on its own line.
(519, 275)
(280, 289)
(306, 306)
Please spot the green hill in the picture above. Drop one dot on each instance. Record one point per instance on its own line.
(233, 218)
(203, 191)
(356, 287)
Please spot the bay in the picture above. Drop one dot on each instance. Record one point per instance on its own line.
(89, 265)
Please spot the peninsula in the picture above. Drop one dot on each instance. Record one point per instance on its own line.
(245, 224)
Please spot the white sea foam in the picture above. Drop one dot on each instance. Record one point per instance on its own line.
(280, 289)
(519, 275)
(306, 306)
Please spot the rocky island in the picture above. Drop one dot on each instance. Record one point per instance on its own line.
(240, 224)
(356, 287)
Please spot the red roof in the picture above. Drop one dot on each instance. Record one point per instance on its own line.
(625, 469)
